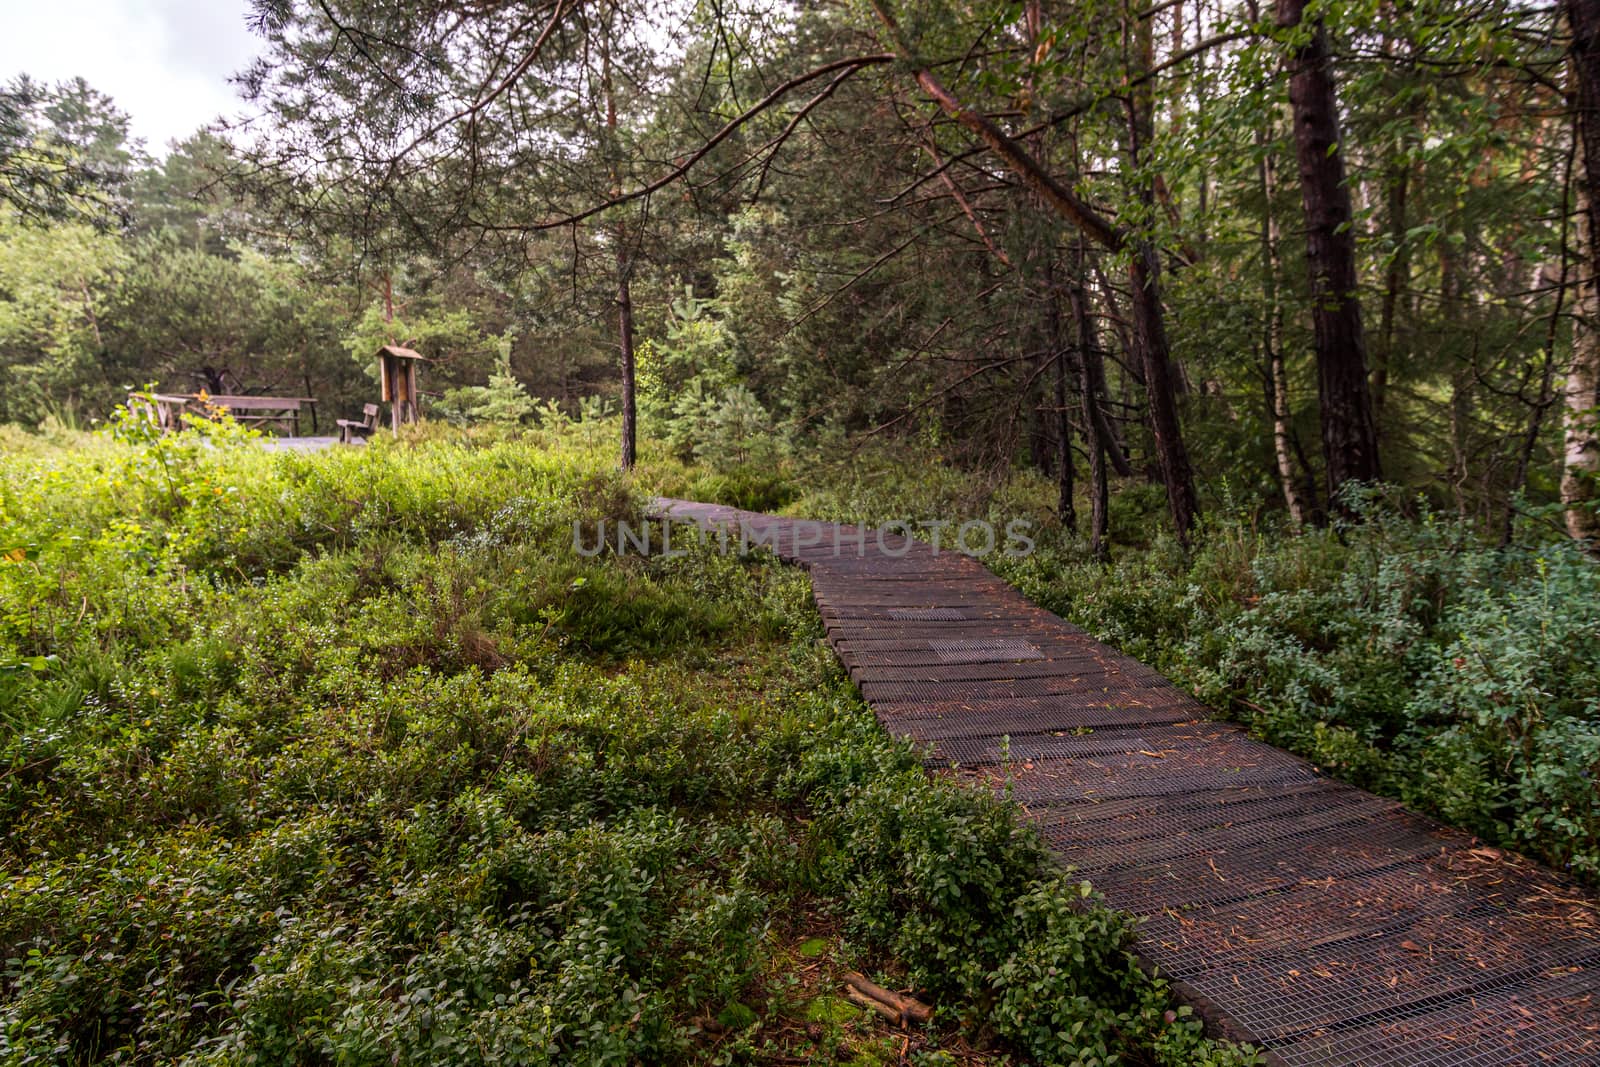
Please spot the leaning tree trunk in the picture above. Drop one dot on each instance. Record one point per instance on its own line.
(1349, 434)
(1580, 474)
(1149, 321)
(1150, 340)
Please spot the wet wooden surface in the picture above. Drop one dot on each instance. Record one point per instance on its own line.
(1327, 925)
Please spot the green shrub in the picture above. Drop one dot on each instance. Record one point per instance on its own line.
(1402, 654)
(750, 488)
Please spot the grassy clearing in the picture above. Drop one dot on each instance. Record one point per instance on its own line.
(349, 758)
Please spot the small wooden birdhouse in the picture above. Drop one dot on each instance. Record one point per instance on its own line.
(397, 370)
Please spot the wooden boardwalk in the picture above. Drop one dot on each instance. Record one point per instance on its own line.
(1321, 922)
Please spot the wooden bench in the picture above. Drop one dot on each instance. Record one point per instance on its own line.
(351, 429)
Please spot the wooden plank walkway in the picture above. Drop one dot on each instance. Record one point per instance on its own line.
(1321, 922)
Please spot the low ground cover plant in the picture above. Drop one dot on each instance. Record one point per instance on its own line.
(350, 758)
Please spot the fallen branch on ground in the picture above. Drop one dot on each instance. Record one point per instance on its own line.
(900, 1009)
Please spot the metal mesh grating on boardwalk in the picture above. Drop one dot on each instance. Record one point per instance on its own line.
(1332, 927)
(1086, 684)
(954, 719)
(1530, 1021)
(940, 614)
(984, 651)
(1351, 992)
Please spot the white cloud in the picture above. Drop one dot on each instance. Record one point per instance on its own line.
(165, 62)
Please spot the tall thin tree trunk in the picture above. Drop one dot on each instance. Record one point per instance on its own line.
(1066, 506)
(1272, 339)
(1278, 393)
(630, 444)
(1396, 196)
(630, 416)
(1349, 434)
(1453, 308)
(1149, 320)
(1459, 470)
(1041, 423)
(1547, 397)
(1065, 475)
(1396, 277)
(1580, 473)
(1096, 444)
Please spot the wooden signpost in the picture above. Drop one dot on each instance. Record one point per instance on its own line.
(397, 370)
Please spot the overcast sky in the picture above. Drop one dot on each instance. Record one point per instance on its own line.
(165, 62)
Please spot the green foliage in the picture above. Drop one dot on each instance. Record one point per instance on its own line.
(722, 431)
(751, 488)
(1402, 654)
(693, 354)
(450, 334)
(55, 285)
(504, 401)
(64, 154)
(877, 483)
(351, 757)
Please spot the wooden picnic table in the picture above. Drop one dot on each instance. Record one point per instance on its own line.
(282, 410)
(167, 409)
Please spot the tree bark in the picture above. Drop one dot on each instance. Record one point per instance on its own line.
(1149, 321)
(630, 418)
(1580, 473)
(1396, 278)
(1066, 506)
(1397, 184)
(1055, 350)
(1150, 339)
(1349, 434)
(630, 444)
(1096, 444)
(1272, 341)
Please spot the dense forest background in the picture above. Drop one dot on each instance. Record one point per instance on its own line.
(1232, 251)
